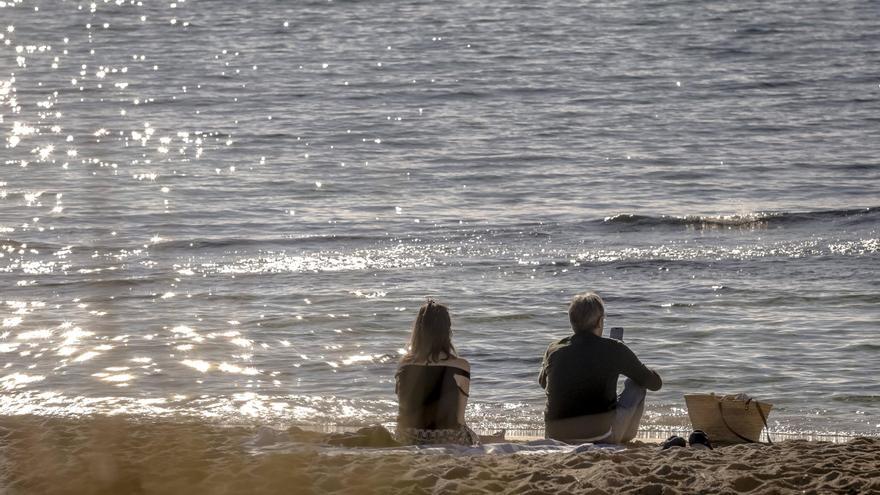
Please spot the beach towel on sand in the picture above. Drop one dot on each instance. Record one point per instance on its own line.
(267, 439)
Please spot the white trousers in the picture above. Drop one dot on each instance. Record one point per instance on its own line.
(630, 407)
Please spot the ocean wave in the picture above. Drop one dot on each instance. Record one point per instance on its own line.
(748, 220)
(425, 254)
(861, 399)
(243, 242)
(12, 244)
(676, 253)
(159, 244)
(236, 409)
(335, 261)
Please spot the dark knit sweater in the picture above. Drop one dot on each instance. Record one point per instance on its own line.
(580, 374)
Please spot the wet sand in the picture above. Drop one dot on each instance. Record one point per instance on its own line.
(112, 455)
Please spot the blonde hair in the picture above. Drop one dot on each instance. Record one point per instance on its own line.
(586, 312)
(431, 334)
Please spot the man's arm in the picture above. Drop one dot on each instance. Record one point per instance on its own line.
(637, 371)
(542, 377)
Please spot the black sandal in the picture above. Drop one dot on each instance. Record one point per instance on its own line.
(699, 439)
(673, 441)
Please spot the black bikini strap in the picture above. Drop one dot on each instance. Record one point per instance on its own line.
(460, 372)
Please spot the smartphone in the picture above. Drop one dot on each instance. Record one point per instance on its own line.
(616, 333)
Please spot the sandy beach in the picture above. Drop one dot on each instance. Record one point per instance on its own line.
(112, 456)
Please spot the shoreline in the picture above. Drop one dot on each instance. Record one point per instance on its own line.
(657, 436)
(645, 435)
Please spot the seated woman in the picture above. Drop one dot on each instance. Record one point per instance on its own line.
(433, 384)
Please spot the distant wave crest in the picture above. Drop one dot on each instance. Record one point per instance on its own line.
(748, 220)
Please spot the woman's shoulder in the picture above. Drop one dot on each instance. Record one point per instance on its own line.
(452, 361)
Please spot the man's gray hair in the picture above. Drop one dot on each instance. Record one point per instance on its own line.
(586, 312)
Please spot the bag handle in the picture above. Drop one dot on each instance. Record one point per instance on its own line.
(764, 419)
(760, 412)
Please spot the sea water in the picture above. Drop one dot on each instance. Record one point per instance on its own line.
(231, 211)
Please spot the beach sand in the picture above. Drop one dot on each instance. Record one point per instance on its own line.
(118, 456)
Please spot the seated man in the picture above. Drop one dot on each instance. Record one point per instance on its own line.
(579, 375)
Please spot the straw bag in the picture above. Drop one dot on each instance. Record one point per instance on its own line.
(729, 418)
